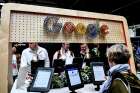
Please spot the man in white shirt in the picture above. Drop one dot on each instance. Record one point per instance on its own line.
(34, 52)
(84, 51)
(64, 53)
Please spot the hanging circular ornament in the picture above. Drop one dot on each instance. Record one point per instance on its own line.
(104, 30)
(68, 28)
(51, 25)
(80, 28)
(92, 30)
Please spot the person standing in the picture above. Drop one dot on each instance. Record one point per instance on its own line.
(14, 64)
(64, 53)
(34, 52)
(118, 56)
(84, 51)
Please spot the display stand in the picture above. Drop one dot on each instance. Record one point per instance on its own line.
(97, 88)
(42, 80)
(73, 91)
(98, 74)
(25, 23)
(74, 78)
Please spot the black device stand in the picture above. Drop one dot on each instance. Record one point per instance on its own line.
(35, 65)
(39, 87)
(73, 71)
(58, 65)
(78, 62)
(73, 91)
(97, 67)
(98, 87)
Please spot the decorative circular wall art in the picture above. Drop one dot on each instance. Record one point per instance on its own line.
(51, 25)
(68, 28)
(92, 31)
(80, 29)
(104, 30)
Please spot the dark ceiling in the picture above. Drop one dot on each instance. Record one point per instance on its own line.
(126, 8)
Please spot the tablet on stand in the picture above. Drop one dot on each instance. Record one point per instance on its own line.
(98, 74)
(42, 80)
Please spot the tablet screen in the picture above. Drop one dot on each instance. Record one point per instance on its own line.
(74, 76)
(99, 73)
(42, 79)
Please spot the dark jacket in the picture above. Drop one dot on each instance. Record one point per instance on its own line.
(118, 87)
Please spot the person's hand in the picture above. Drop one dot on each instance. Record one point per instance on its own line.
(28, 79)
(29, 76)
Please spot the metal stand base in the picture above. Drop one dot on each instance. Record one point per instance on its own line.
(73, 91)
(97, 88)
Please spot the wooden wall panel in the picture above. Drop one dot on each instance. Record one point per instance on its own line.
(27, 26)
(23, 23)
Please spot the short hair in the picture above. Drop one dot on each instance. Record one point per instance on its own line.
(83, 44)
(118, 54)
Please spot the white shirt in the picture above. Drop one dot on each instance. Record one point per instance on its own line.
(28, 54)
(14, 65)
(64, 55)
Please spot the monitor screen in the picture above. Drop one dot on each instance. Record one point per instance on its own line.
(99, 74)
(42, 79)
(74, 76)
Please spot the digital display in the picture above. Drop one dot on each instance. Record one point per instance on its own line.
(99, 73)
(74, 76)
(42, 79)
